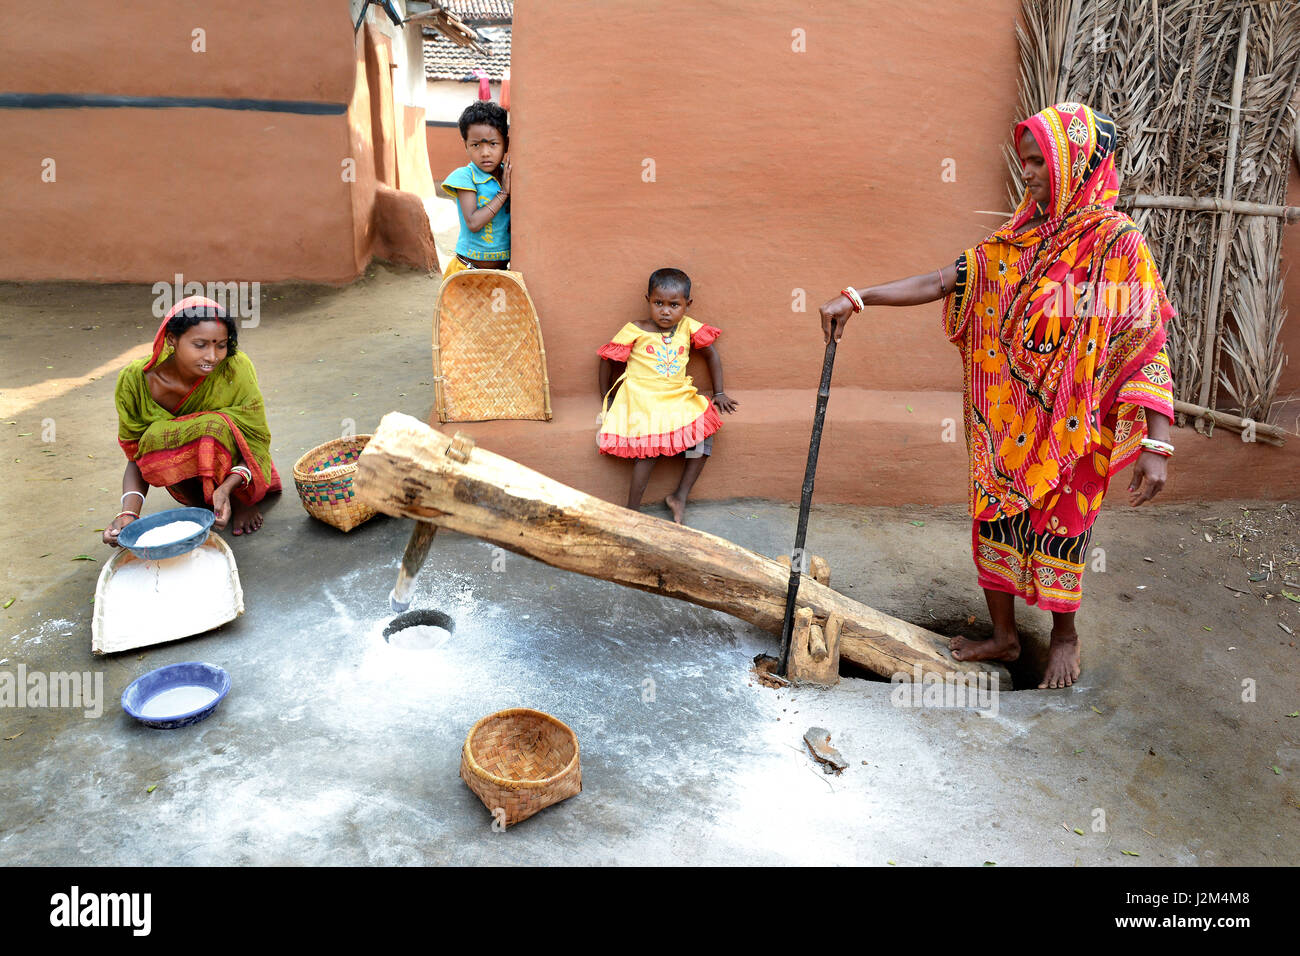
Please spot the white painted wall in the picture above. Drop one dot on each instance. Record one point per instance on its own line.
(447, 99)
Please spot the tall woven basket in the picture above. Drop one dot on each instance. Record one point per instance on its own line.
(489, 361)
(324, 477)
(520, 761)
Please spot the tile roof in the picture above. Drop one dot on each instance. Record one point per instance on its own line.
(444, 60)
(479, 12)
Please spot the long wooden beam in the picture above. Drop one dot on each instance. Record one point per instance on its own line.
(411, 470)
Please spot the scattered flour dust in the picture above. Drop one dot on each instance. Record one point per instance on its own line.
(168, 533)
(162, 600)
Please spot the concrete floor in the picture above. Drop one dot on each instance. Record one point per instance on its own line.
(334, 747)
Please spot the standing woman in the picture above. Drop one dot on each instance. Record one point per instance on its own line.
(194, 422)
(1060, 318)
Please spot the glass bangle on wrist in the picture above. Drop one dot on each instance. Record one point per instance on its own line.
(852, 295)
(1159, 447)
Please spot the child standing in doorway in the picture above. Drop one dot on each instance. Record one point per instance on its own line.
(658, 411)
(481, 190)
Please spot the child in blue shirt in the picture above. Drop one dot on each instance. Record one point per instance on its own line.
(482, 190)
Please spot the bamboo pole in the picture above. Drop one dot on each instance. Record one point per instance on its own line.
(1225, 222)
(1215, 204)
(1264, 434)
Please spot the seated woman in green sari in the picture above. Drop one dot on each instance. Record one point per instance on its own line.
(194, 422)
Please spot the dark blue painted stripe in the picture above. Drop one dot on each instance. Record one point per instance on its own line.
(452, 124)
(70, 101)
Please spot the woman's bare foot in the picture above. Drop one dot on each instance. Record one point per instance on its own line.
(678, 507)
(1004, 645)
(247, 518)
(1062, 661)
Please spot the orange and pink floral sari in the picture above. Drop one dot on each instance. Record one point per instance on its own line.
(1061, 329)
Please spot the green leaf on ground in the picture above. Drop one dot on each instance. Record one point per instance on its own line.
(9, 602)
(1206, 627)
(919, 524)
(16, 736)
(151, 788)
(1078, 750)
(23, 434)
(891, 863)
(1294, 713)
(1078, 831)
(83, 557)
(1130, 853)
(989, 863)
(1276, 769)
(1095, 710)
(1290, 597)
(909, 408)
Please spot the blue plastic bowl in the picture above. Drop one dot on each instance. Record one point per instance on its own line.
(131, 533)
(187, 688)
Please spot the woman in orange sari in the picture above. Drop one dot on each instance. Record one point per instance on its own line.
(1059, 317)
(191, 419)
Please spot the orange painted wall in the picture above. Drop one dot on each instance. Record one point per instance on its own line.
(446, 150)
(292, 50)
(143, 193)
(776, 174)
(774, 170)
(413, 172)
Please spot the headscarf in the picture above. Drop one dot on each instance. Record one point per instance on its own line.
(1053, 321)
(190, 305)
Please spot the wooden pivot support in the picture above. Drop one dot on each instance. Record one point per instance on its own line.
(814, 649)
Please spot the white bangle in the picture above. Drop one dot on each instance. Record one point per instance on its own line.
(140, 493)
(1152, 444)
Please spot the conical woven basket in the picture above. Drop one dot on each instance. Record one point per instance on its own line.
(324, 477)
(520, 761)
(488, 358)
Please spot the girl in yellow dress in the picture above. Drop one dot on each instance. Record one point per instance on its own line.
(658, 412)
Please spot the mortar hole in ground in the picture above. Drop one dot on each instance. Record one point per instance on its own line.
(419, 630)
(1027, 671)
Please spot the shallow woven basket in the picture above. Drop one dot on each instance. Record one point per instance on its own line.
(520, 761)
(324, 480)
(488, 358)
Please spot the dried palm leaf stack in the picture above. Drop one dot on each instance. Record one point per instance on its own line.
(1203, 94)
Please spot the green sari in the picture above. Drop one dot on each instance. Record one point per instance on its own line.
(220, 424)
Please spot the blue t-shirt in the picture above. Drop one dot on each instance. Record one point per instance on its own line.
(492, 242)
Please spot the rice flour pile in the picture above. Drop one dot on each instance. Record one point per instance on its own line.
(168, 533)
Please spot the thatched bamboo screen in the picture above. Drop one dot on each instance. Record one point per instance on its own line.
(1204, 94)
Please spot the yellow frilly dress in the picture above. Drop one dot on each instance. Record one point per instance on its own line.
(657, 411)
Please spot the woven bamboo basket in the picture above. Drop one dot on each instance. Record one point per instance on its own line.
(489, 361)
(324, 480)
(520, 761)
